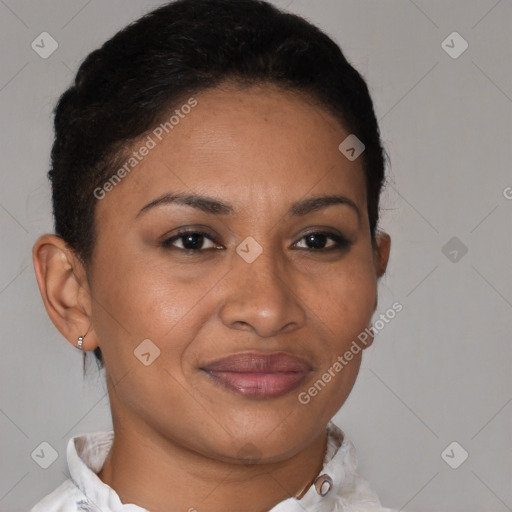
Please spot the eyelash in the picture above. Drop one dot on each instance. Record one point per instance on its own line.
(341, 242)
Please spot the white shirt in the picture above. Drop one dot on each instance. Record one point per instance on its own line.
(338, 488)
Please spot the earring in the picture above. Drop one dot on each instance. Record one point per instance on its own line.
(81, 339)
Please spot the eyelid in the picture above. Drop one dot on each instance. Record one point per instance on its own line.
(183, 230)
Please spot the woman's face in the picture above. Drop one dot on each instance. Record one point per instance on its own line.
(255, 282)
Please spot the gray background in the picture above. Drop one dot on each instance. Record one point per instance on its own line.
(439, 372)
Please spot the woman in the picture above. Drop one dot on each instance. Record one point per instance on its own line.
(216, 174)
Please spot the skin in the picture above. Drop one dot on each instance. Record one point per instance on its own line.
(179, 435)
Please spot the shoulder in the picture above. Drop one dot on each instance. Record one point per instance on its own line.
(65, 498)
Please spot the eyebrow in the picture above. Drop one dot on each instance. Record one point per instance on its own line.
(215, 206)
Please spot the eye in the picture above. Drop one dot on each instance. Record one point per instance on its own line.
(317, 241)
(190, 241)
(196, 241)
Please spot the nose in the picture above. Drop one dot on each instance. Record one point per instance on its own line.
(262, 297)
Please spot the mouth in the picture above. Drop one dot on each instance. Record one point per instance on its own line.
(259, 375)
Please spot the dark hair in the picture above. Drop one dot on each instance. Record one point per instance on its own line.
(125, 87)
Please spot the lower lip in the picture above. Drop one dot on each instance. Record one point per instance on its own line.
(259, 385)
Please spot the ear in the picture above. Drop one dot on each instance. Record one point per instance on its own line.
(381, 252)
(64, 289)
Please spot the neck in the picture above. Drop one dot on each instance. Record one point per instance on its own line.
(161, 476)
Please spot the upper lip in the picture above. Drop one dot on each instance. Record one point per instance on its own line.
(257, 362)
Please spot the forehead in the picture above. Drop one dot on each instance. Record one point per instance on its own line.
(258, 143)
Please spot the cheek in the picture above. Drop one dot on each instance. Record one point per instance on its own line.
(343, 300)
(130, 286)
(342, 310)
(138, 302)
(140, 299)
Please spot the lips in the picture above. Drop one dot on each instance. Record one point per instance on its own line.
(259, 375)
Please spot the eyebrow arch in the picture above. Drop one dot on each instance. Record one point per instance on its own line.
(215, 206)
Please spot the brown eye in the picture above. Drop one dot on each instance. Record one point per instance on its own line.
(318, 241)
(190, 241)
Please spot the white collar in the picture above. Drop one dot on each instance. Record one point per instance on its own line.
(342, 488)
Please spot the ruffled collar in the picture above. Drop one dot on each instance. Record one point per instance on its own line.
(336, 487)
